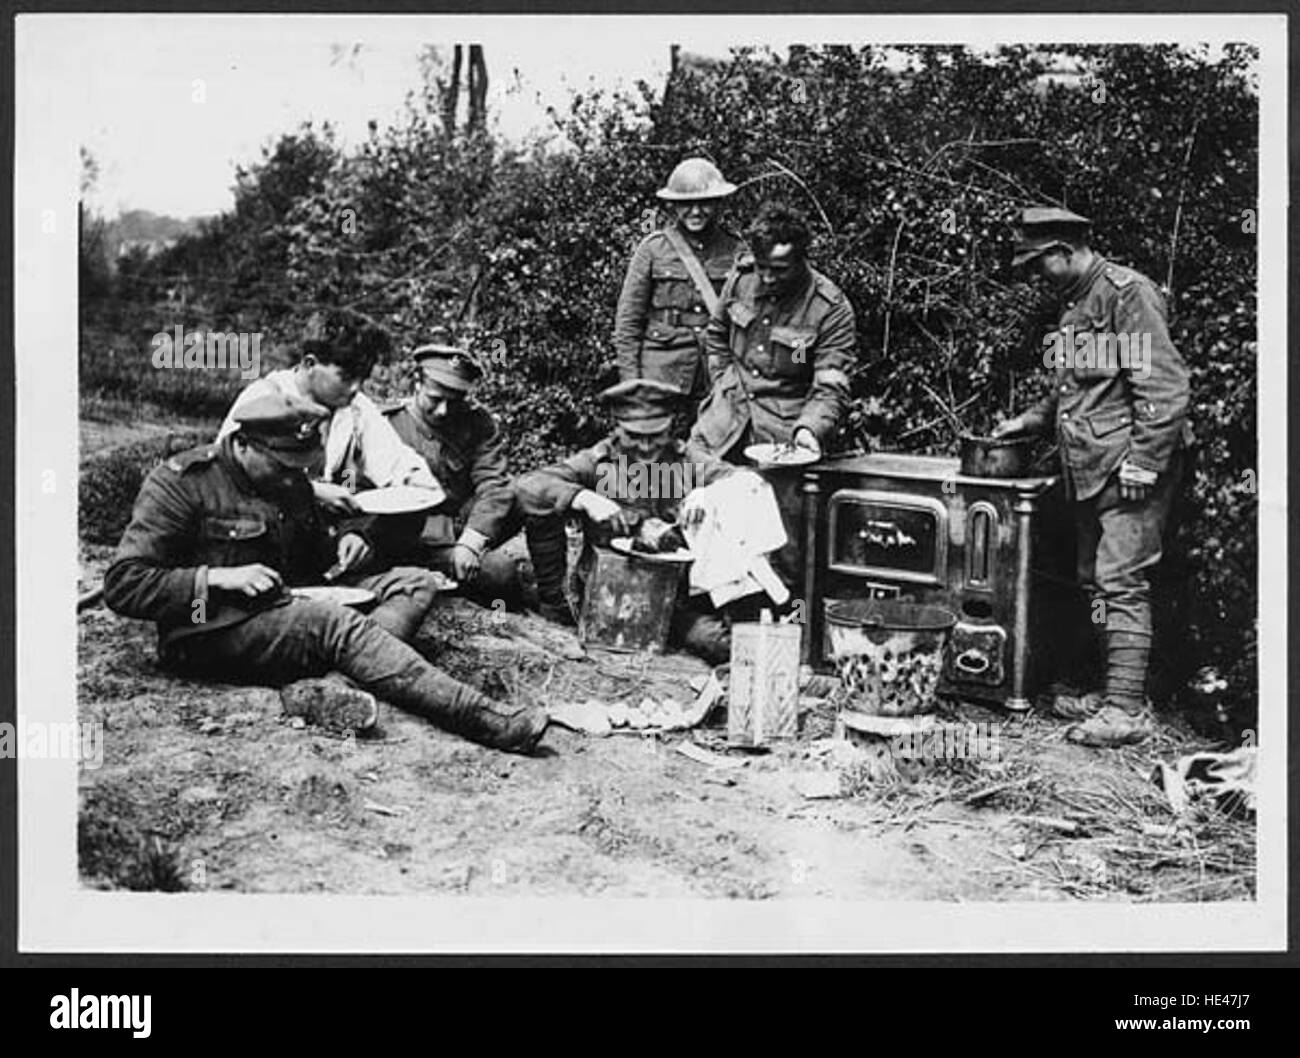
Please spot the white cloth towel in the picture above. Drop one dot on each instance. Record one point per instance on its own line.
(740, 525)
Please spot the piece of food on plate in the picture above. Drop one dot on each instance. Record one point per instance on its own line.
(656, 537)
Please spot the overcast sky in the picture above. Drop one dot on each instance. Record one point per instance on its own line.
(128, 81)
(159, 149)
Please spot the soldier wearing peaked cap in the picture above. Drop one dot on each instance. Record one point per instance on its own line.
(470, 536)
(284, 427)
(218, 536)
(1118, 407)
(639, 471)
(673, 281)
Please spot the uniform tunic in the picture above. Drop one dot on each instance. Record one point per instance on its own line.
(199, 510)
(776, 364)
(1108, 408)
(1106, 411)
(466, 455)
(653, 490)
(661, 316)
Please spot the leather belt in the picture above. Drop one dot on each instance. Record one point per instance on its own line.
(678, 318)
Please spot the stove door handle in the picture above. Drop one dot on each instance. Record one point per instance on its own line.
(972, 662)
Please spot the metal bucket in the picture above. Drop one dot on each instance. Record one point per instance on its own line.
(888, 653)
(627, 602)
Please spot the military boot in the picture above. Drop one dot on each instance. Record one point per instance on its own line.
(512, 728)
(706, 636)
(331, 702)
(548, 547)
(1125, 718)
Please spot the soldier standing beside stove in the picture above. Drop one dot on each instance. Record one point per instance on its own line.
(1119, 404)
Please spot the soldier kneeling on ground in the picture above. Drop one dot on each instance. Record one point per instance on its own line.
(217, 537)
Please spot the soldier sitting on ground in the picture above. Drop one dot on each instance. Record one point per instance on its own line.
(640, 472)
(460, 441)
(218, 536)
(360, 448)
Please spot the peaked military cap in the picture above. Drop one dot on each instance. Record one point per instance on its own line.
(286, 427)
(1043, 227)
(644, 405)
(451, 366)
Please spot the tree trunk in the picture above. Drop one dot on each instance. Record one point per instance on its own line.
(451, 94)
(478, 82)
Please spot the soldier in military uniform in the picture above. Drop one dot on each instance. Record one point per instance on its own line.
(1119, 409)
(620, 482)
(673, 281)
(460, 441)
(779, 347)
(218, 536)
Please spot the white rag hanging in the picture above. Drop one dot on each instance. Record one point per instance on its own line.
(739, 527)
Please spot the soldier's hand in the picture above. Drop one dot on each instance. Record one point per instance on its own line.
(465, 563)
(334, 498)
(252, 580)
(691, 516)
(1010, 427)
(600, 509)
(624, 523)
(805, 439)
(1135, 482)
(353, 550)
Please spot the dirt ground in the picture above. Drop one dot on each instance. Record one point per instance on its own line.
(208, 787)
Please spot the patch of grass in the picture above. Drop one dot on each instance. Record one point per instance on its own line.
(123, 844)
(109, 483)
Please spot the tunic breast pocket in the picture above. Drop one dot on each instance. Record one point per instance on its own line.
(661, 336)
(1097, 350)
(792, 351)
(452, 471)
(233, 540)
(672, 287)
(1105, 423)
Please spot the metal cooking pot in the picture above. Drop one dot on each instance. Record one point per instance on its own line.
(996, 457)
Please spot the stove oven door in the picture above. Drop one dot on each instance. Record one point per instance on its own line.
(888, 537)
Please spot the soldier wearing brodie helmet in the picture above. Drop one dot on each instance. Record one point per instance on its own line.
(1121, 422)
(673, 281)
